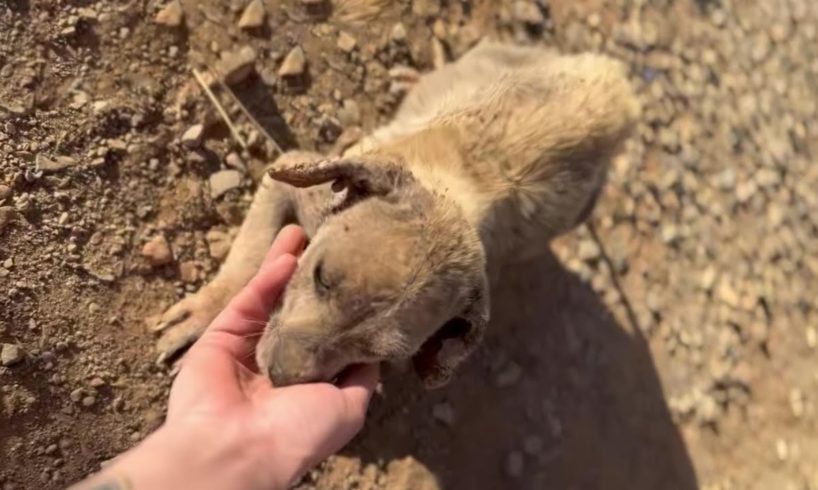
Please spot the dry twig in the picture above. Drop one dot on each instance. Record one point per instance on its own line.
(233, 130)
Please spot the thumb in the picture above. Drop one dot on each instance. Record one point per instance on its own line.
(357, 388)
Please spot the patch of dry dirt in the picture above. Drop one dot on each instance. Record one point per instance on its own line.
(669, 344)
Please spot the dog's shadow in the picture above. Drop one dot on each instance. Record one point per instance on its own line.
(585, 410)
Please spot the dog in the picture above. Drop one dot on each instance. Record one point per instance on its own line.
(485, 162)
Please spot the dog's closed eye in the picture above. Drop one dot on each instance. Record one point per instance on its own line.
(320, 280)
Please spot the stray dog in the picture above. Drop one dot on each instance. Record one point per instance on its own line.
(485, 162)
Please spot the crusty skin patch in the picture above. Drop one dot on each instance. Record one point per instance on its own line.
(486, 161)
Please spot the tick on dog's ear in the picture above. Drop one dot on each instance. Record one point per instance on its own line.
(361, 175)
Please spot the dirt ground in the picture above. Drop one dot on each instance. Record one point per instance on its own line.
(671, 343)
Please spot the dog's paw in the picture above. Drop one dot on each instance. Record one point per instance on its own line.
(185, 322)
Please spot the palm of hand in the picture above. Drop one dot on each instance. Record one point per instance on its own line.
(219, 388)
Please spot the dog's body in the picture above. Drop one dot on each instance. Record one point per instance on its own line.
(486, 161)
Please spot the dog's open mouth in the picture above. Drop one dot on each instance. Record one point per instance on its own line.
(427, 359)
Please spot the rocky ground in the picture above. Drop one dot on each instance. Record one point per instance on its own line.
(671, 343)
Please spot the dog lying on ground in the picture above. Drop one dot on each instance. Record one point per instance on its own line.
(486, 161)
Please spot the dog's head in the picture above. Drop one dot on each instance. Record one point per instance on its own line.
(393, 272)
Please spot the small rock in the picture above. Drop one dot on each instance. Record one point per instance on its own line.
(588, 250)
(727, 179)
(218, 243)
(346, 42)
(223, 181)
(236, 66)
(192, 138)
(188, 271)
(99, 106)
(514, 464)
(727, 293)
(509, 376)
(745, 190)
(171, 15)
(5, 192)
(58, 163)
(7, 215)
(527, 12)
(708, 278)
(782, 450)
(398, 33)
(97, 382)
(10, 354)
(811, 337)
(294, 64)
(797, 402)
(253, 16)
(443, 413)
(89, 401)
(234, 161)
(426, 8)
(533, 445)
(439, 29)
(158, 251)
(51, 449)
(350, 113)
(76, 395)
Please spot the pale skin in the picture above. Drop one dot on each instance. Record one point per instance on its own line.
(227, 427)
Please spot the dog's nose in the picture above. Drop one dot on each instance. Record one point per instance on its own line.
(280, 377)
(291, 364)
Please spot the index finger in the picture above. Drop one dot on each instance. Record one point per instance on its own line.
(238, 328)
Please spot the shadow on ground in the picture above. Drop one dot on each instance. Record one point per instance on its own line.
(587, 412)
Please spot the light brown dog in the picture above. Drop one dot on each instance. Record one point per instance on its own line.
(486, 161)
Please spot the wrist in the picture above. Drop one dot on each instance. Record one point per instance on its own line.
(188, 457)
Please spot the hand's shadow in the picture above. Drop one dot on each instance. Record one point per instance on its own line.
(588, 405)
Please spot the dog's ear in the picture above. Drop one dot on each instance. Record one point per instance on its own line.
(439, 357)
(356, 177)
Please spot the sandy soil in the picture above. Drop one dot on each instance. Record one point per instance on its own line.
(671, 343)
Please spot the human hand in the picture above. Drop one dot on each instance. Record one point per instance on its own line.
(227, 427)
